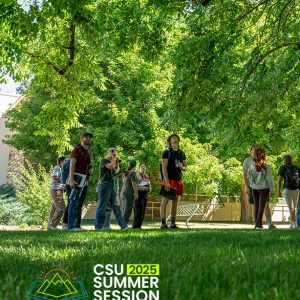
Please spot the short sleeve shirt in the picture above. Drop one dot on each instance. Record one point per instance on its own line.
(282, 172)
(127, 182)
(54, 184)
(83, 159)
(105, 173)
(174, 172)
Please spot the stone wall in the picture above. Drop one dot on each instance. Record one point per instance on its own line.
(15, 160)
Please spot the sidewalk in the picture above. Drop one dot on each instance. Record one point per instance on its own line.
(156, 225)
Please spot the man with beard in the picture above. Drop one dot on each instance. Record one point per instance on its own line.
(80, 164)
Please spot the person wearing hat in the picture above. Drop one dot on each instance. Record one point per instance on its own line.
(129, 191)
(80, 163)
(107, 192)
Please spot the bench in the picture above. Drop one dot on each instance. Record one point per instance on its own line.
(188, 210)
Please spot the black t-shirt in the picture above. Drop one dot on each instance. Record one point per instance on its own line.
(283, 170)
(174, 172)
(105, 173)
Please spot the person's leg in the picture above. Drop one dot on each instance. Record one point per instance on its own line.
(268, 215)
(163, 209)
(144, 205)
(174, 211)
(59, 207)
(289, 202)
(294, 204)
(107, 216)
(104, 192)
(251, 201)
(137, 212)
(80, 204)
(129, 201)
(256, 205)
(73, 207)
(263, 197)
(65, 217)
(52, 209)
(116, 209)
(298, 212)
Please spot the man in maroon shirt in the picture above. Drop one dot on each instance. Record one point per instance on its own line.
(80, 163)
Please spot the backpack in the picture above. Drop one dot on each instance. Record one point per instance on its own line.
(292, 177)
(65, 169)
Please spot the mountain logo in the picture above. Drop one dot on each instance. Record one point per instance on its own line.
(57, 285)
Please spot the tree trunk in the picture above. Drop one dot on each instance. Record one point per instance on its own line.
(246, 208)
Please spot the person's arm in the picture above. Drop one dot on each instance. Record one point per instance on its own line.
(279, 186)
(134, 185)
(165, 173)
(183, 166)
(270, 180)
(246, 182)
(72, 171)
(112, 164)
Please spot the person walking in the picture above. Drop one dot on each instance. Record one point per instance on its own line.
(129, 192)
(290, 175)
(144, 187)
(56, 191)
(80, 163)
(246, 167)
(261, 180)
(173, 163)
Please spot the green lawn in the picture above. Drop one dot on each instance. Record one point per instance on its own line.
(194, 264)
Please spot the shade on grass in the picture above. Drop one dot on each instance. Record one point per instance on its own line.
(194, 264)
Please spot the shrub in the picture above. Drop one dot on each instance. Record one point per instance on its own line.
(32, 190)
(12, 212)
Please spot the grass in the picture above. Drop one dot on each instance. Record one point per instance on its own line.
(194, 264)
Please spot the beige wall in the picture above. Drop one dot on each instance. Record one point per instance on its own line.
(4, 152)
(230, 212)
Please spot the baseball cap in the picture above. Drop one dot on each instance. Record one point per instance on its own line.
(85, 134)
(132, 162)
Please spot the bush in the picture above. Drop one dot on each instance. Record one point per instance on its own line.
(32, 190)
(12, 212)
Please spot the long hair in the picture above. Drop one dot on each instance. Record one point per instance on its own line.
(259, 159)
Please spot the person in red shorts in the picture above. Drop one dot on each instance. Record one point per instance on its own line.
(173, 163)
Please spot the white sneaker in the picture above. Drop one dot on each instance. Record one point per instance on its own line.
(292, 225)
(125, 228)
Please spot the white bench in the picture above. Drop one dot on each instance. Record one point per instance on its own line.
(188, 210)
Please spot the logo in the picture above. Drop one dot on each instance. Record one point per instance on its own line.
(57, 285)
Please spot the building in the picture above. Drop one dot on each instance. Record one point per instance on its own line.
(9, 156)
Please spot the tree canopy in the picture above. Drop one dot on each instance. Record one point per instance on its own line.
(223, 74)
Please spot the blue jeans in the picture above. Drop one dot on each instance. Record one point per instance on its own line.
(76, 199)
(108, 194)
(108, 207)
(298, 212)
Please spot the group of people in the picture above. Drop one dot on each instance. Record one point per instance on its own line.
(135, 189)
(257, 173)
(258, 179)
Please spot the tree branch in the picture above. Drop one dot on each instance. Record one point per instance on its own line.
(72, 45)
(260, 59)
(56, 69)
(243, 15)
